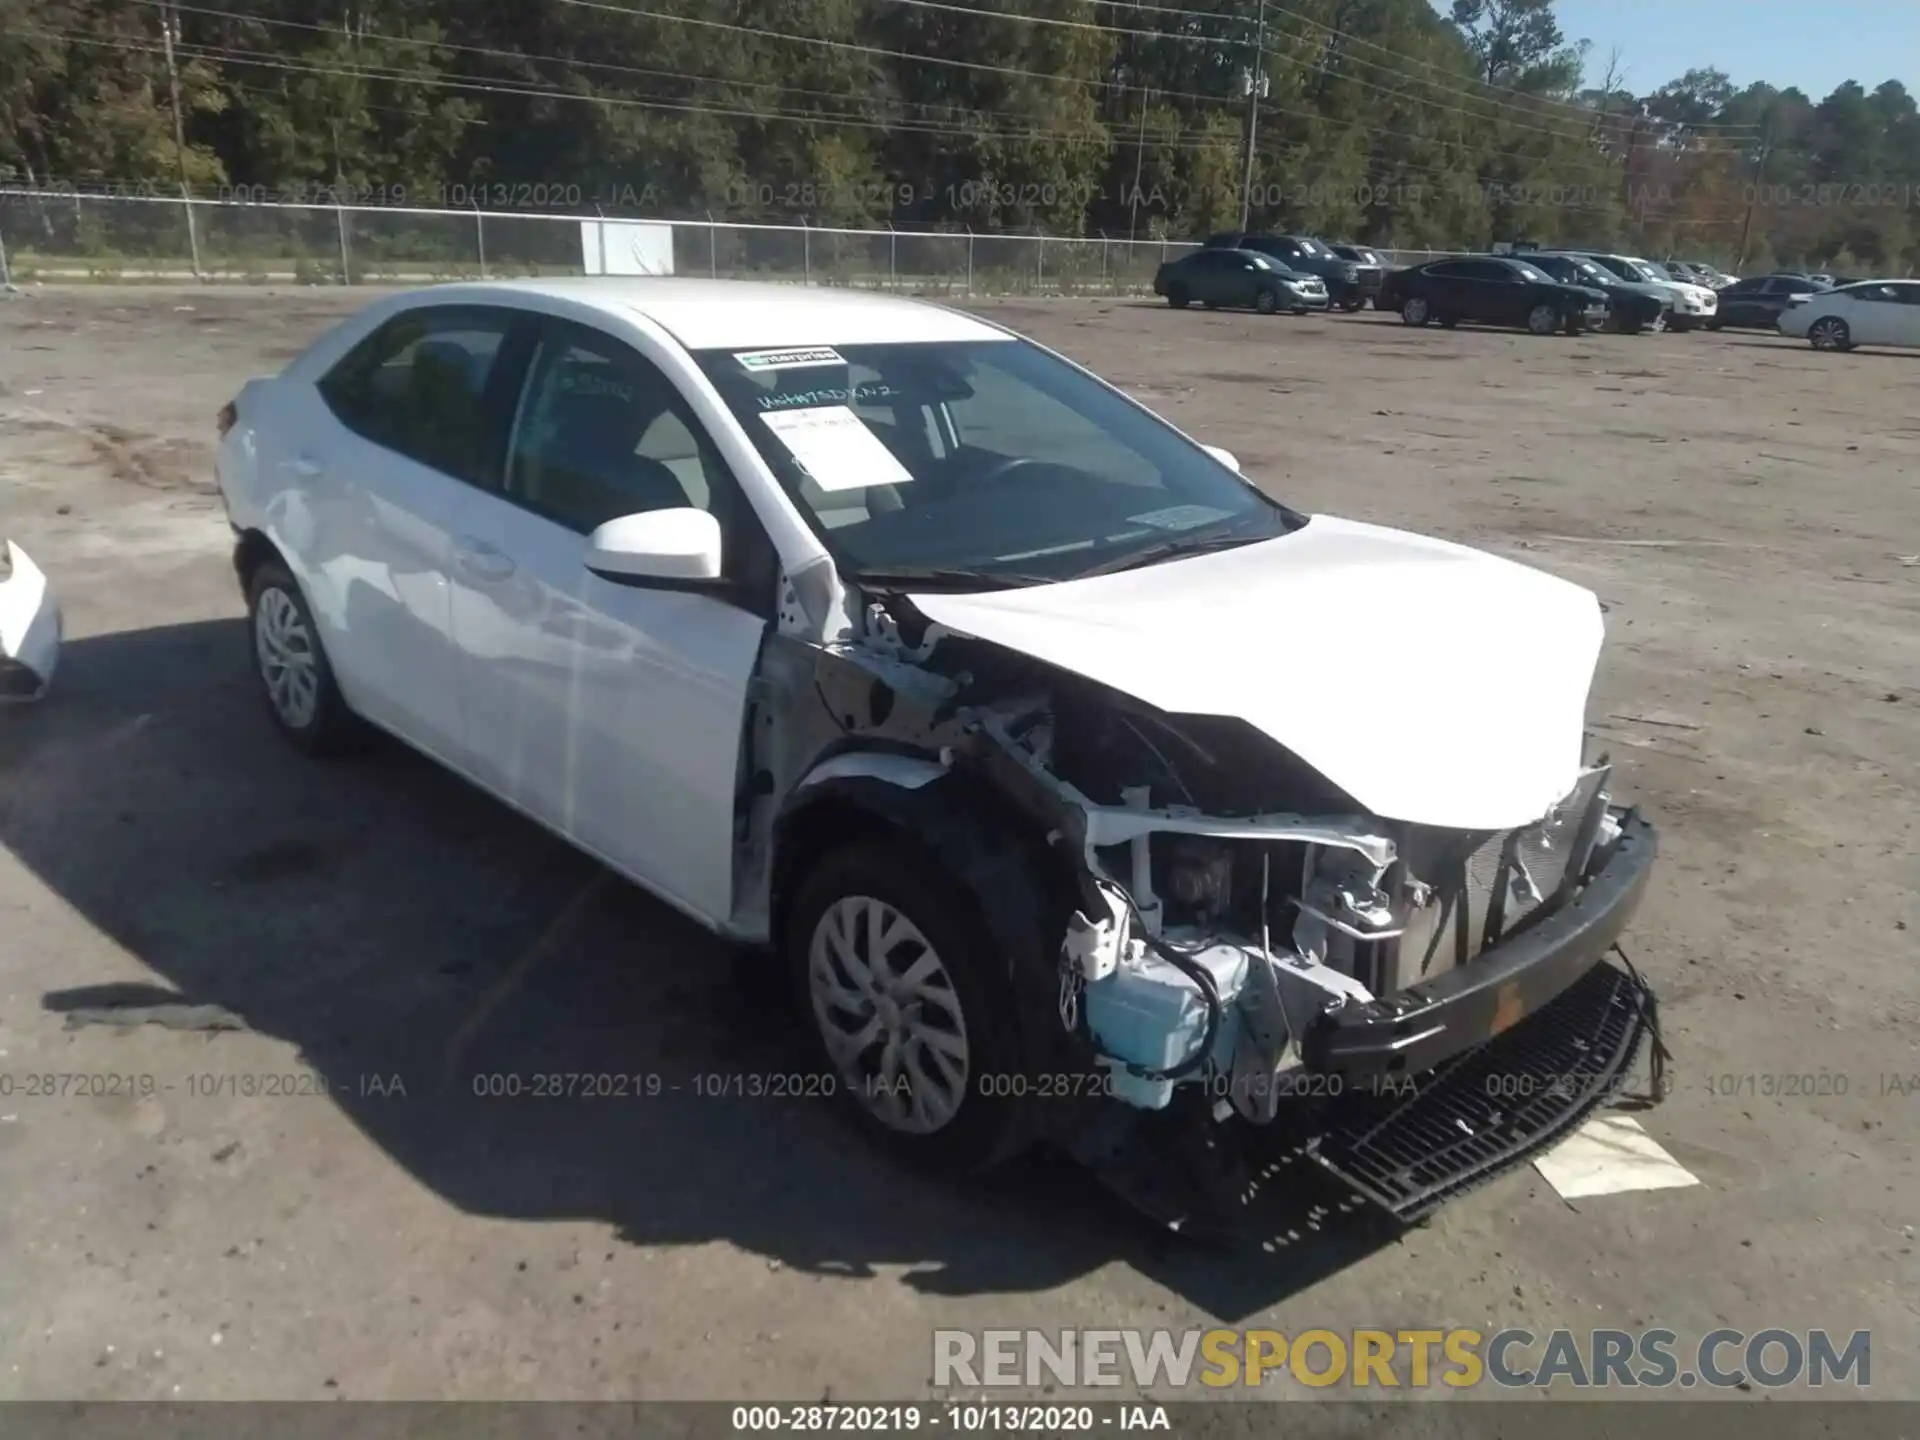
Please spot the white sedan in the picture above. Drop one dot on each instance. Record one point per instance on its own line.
(1873, 312)
(1060, 766)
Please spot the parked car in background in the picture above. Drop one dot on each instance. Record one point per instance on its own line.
(1758, 303)
(1693, 304)
(1871, 312)
(1240, 278)
(1372, 266)
(1633, 306)
(1304, 254)
(1696, 272)
(1493, 290)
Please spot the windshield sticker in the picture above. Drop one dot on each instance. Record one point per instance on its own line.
(1181, 517)
(763, 360)
(836, 449)
(867, 394)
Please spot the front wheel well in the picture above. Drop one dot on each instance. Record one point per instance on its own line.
(250, 551)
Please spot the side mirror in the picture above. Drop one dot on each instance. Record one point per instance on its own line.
(681, 544)
(1225, 457)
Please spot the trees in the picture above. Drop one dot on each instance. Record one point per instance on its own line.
(1379, 119)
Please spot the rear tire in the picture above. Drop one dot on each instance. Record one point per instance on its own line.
(296, 679)
(1415, 311)
(1353, 303)
(894, 978)
(1178, 297)
(1830, 333)
(1448, 322)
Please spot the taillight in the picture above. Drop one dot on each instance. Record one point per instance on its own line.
(227, 418)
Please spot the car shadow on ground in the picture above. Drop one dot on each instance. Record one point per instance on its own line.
(1791, 342)
(385, 919)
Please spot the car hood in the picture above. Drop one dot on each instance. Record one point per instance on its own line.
(1435, 684)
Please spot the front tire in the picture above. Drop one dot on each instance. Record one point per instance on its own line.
(295, 676)
(1178, 297)
(1830, 333)
(893, 974)
(1543, 319)
(1266, 302)
(1353, 303)
(1416, 311)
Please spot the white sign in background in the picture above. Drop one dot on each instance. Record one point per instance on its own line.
(626, 247)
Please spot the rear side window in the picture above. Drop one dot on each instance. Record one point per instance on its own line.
(418, 386)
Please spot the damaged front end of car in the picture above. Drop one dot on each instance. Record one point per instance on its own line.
(30, 629)
(1245, 961)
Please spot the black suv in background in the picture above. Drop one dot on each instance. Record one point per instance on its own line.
(1306, 255)
(1371, 264)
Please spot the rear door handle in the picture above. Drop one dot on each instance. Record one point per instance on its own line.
(484, 561)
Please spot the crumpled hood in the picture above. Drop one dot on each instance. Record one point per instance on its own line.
(1436, 684)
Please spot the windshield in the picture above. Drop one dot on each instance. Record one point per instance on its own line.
(1644, 271)
(980, 463)
(1311, 247)
(1532, 272)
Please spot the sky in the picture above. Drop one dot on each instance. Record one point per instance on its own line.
(1814, 44)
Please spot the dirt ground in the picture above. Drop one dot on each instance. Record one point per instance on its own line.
(1741, 504)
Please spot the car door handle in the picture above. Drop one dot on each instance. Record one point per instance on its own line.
(306, 467)
(483, 561)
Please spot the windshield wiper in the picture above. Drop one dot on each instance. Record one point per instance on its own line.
(1197, 543)
(901, 579)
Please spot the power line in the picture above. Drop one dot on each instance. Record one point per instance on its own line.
(476, 85)
(1431, 65)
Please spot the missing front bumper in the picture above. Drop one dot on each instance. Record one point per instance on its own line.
(1416, 1030)
(1496, 1106)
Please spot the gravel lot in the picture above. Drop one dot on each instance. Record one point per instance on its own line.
(1740, 503)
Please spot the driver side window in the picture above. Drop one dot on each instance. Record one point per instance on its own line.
(601, 433)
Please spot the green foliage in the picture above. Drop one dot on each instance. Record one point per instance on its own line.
(1380, 120)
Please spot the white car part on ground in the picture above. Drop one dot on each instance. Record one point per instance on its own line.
(30, 630)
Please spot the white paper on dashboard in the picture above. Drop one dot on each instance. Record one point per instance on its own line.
(836, 449)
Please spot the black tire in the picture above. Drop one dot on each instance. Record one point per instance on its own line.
(1415, 310)
(1543, 319)
(279, 621)
(985, 1128)
(1211, 304)
(1574, 323)
(1448, 322)
(1830, 332)
(1627, 325)
(1353, 303)
(1266, 302)
(1178, 297)
(1680, 324)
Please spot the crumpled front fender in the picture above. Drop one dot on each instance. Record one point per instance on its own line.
(30, 630)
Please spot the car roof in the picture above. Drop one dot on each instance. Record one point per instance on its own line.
(717, 314)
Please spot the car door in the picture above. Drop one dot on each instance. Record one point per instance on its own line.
(1907, 321)
(1441, 285)
(611, 710)
(1872, 313)
(408, 427)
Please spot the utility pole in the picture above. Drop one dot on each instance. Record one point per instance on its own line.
(1753, 188)
(1256, 87)
(168, 19)
(1139, 159)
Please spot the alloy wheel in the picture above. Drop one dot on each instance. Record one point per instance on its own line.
(289, 664)
(888, 1014)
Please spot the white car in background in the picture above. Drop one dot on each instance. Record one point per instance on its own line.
(1872, 312)
(1693, 305)
(1022, 729)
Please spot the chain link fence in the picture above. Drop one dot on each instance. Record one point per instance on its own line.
(65, 236)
